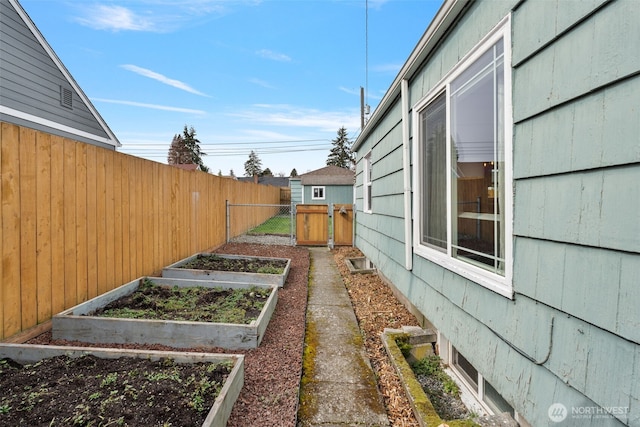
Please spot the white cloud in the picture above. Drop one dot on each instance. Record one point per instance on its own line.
(387, 68)
(275, 56)
(115, 18)
(350, 91)
(162, 79)
(152, 106)
(261, 83)
(283, 115)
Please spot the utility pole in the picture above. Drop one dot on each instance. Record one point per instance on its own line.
(361, 108)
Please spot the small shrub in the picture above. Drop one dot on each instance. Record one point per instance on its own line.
(432, 366)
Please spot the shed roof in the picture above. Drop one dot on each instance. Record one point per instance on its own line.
(329, 175)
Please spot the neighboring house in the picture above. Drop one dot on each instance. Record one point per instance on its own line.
(37, 91)
(497, 192)
(276, 181)
(325, 186)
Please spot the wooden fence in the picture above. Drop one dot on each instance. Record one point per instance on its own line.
(77, 221)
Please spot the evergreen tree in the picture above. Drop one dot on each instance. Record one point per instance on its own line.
(293, 173)
(178, 152)
(185, 149)
(253, 166)
(266, 172)
(341, 154)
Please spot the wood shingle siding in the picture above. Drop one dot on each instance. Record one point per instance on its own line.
(570, 334)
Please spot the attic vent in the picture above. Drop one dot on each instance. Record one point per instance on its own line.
(66, 97)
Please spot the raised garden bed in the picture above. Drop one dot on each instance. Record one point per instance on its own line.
(61, 386)
(85, 322)
(231, 268)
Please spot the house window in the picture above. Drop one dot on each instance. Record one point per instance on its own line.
(481, 389)
(367, 183)
(463, 146)
(317, 193)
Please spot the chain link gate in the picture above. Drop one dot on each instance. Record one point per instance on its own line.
(268, 224)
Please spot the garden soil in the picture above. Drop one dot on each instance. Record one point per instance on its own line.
(273, 370)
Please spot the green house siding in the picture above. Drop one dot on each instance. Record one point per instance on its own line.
(571, 333)
(296, 191)
(342, 194)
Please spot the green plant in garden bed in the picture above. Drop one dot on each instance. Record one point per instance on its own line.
(198, 304)
(215, 262)
(279, 225)
(432, 366)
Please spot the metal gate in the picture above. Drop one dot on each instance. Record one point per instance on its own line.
(319, 225)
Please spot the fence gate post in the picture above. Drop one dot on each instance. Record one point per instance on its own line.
(228, 229)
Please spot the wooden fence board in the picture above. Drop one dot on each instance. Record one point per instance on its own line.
(92, 222)
(125, 211)
(69, 209)
(77, 220)
(101, 221)
(10, 284)
(82, 248)
(43, 226)
(57, 225)
(109, 220)
(342, 225)
(27, 181)
(312, 224)
(117, 221)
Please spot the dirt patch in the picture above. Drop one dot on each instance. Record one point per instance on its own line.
(273, 370)
(242, 265)
(90, 391)
(197, 304)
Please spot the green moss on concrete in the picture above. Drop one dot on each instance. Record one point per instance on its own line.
(308, 406)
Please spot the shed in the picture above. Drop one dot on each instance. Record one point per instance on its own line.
(328, 185)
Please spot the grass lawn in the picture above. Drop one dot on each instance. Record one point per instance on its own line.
(279, 224)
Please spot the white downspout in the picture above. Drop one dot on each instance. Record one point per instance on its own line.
(406, 169)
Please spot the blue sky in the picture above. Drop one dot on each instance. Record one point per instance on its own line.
(279, 77)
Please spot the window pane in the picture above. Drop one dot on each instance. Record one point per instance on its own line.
(467, 369)
(477, 150)
(495, 401)
(434, 179)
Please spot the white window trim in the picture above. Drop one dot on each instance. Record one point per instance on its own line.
(366, 184)
(323, 192)
(502, 285)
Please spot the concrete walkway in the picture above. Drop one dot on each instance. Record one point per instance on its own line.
(338, 386)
